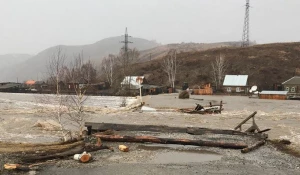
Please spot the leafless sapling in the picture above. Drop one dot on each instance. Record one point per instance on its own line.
(170, 66)
(219, 67)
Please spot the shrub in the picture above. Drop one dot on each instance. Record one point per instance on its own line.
(184, 95)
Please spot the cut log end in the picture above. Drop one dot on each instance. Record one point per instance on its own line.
(85, 158)
(8, 166)
(123, 148)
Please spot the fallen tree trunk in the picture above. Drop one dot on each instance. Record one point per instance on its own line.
(201, 131)
(163, 128)
(255, 146)
(76, 150)
(128, 127)
(143, 139)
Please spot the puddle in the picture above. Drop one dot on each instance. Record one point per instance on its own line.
(154, 147)
(185, 157)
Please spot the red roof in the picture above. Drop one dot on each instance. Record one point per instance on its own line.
(30, 82)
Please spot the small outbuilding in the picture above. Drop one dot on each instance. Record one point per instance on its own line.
(236, 84)
(276, 95)
(203, 90)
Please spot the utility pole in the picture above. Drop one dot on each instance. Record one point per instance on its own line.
(245, 39)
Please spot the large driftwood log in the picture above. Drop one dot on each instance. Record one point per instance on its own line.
(143, 139)
(128, 127)
(76, 150)
(201, 131)
(164, 128)
(255, 146)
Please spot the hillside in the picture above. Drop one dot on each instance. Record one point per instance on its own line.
(265, 64)
(12, 59)
(160, 51)
(35, 67)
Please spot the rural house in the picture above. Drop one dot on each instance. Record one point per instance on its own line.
(236, 84)
(133, 82)
(292, 85)
(10, 87)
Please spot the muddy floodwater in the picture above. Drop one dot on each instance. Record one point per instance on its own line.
(22, 115)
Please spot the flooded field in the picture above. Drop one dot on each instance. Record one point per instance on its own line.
(19, 113)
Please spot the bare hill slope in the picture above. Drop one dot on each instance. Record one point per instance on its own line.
(265, 64)
(160, 51)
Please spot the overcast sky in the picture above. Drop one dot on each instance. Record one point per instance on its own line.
(30, 26)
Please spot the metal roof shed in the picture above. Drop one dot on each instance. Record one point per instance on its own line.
(235, 80)
(277, 95)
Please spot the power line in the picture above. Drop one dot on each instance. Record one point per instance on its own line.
(245, 39)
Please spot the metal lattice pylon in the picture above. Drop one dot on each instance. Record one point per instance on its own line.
(245, 40)
(126, 41)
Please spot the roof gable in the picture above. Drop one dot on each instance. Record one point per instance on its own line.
(235, 80)
(293, 80)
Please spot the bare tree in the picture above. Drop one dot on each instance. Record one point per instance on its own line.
(127, 59)
(56, 68)
(81, 75)
(56, 71)
(219, 67)
(108, 68)
(170, 66)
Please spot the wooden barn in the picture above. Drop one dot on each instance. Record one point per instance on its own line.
(276, 95)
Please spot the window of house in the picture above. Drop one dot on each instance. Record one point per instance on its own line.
(238, 89)
(287, 89)
(293, 89)
(229, 89)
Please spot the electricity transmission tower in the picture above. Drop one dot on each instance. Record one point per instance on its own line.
(245, 40)
(126, 41)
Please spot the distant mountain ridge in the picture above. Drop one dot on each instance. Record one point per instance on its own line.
(9, 60)
(36, 66)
